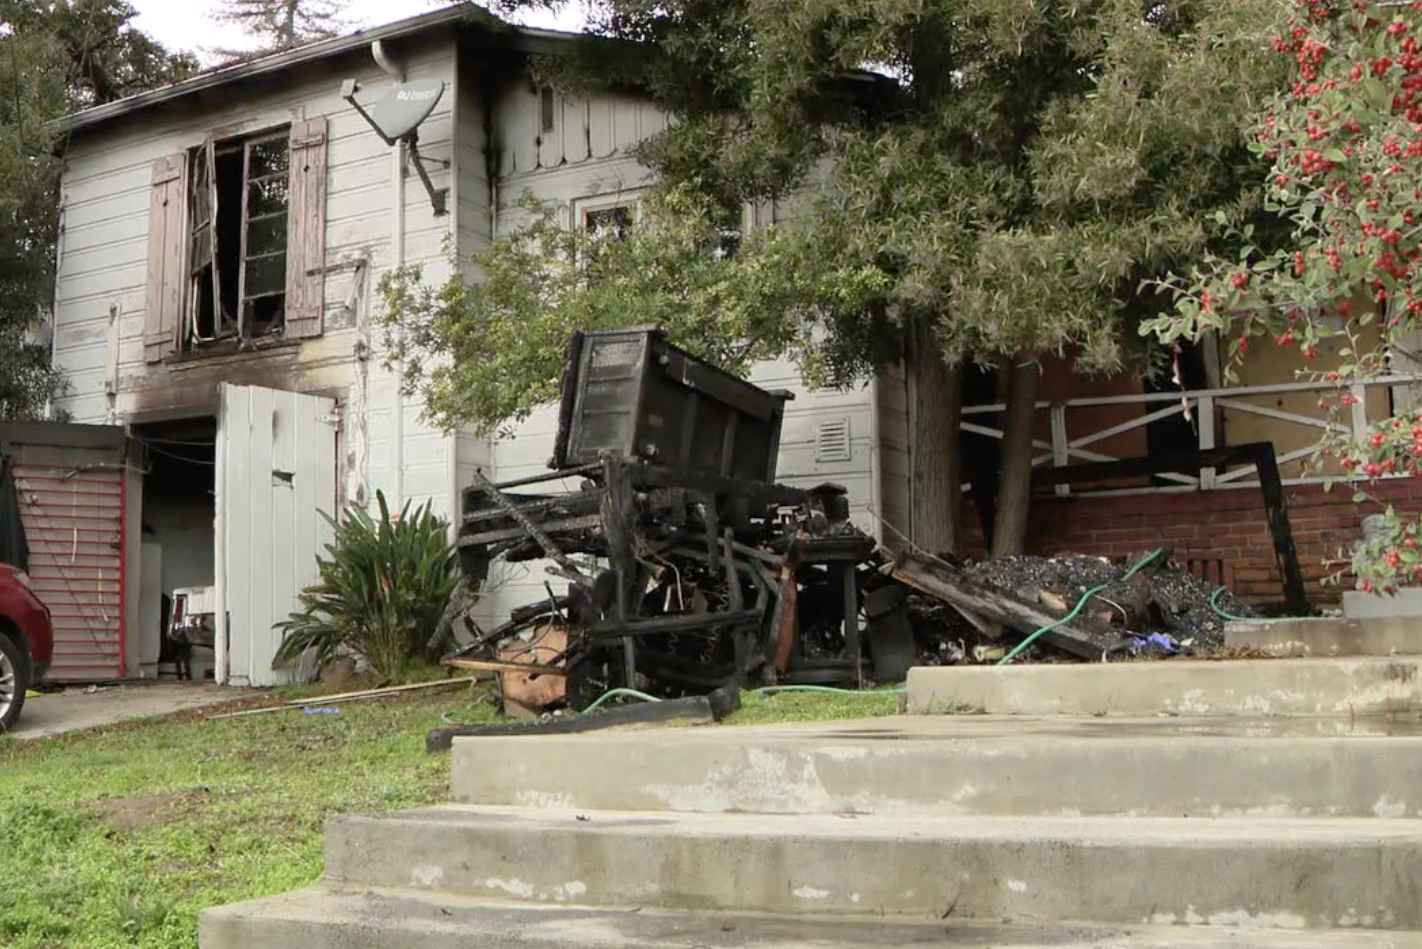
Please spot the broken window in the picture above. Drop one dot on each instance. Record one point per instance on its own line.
(239, 198)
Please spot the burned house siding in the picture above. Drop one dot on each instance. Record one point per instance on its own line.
(101, 296)
(474, 225)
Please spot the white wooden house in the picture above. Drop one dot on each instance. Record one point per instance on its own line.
(220, 246)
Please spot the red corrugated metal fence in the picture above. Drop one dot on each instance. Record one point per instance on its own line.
(74, 522)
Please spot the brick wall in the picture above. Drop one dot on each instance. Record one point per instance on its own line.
(1211, 526)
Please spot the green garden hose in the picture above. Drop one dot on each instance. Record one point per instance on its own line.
(1076, 611)
(1215, 605)
(630, 693)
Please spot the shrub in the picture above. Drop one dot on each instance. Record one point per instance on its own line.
(382, 594)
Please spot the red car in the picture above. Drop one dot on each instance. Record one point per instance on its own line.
(26, 643)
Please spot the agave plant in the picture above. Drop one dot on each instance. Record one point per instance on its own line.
(382, 594)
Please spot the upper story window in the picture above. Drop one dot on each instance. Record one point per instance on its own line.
(240, 198)
(612, 217)
(237, 242)
(609, 223)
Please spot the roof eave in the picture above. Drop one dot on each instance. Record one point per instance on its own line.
(279, 62)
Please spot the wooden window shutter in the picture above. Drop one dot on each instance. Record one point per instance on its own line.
(167, 239)
(306, 230)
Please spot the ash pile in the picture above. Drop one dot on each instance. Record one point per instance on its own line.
(685, 568)
(1090, 608)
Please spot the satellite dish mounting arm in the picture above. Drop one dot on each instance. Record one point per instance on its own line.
(396, 119)
(439, 197)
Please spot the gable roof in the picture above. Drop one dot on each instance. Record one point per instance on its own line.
(522, 38)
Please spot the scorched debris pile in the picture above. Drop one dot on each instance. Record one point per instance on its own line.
(688, 568)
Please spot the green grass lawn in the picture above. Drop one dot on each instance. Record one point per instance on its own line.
(118, 838)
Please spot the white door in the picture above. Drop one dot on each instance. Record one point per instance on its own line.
(276, 477)
(150, 605)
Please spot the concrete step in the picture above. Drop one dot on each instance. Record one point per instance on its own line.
(1281, 873)
(1329, 636)
(1359, 686)
(387, 919)
(943, 765)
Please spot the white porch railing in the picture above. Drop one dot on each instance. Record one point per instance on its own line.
(1069, 442)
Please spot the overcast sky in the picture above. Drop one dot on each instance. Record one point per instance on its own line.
(188, 24)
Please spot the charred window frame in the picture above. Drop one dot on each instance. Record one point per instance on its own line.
(239, 205)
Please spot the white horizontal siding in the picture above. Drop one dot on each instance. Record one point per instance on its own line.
(106, 194)
(104, 257)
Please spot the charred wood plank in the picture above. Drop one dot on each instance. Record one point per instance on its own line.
(551, 549)
(568, 386)
(566, 525)
(700, 709)
(1276, 511)
(943, 583)
(530, 505)
(582, 471)
(785, 623)
(680, 623)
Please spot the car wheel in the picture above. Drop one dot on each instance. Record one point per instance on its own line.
(14, 681)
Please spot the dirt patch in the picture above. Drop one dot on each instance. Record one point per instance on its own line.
(133, 814)
(245, 704)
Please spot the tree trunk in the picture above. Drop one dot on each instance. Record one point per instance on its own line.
(1015, 489)
(937, 464)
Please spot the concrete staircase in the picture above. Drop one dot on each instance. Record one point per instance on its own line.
(1139, 828)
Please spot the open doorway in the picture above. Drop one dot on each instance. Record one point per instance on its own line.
(179, 572)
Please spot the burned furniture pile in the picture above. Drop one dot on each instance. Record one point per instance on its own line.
(685, 567)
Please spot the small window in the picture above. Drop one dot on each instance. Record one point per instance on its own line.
(730, 232)
(547, 119)
(609, 223)
(239, 201)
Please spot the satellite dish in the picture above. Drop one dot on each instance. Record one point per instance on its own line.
(396, 118)
(400, 112)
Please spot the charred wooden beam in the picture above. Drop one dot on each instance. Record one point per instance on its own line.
(530, 505)
(679, 623)
(551, 549)
(699, 709)
(563, 525)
